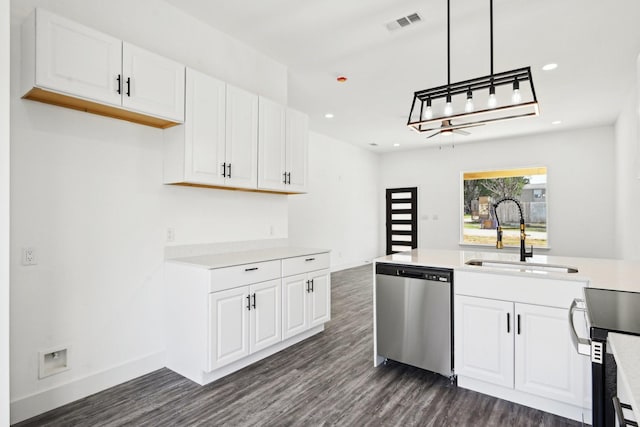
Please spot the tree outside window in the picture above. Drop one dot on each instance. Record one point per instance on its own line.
(481, 190)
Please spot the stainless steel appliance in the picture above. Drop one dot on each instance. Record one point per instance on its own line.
(607, 311)
(414, 316)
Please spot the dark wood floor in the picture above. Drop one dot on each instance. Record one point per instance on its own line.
(326, 380)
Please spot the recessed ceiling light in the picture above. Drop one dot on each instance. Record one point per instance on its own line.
(396, 145)
(328, 116)
(549, 67)
(556, 122)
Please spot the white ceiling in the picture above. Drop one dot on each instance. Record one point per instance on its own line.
(594, 42)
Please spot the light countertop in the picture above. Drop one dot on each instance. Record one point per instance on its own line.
(599, 273)
(625, 349)
(230, 259)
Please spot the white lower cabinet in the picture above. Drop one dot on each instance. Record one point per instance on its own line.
(222, 319)
(242, 321)
(306, 299)
(512, 340)
(521, 346)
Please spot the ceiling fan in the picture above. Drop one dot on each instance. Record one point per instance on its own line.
(448, 128)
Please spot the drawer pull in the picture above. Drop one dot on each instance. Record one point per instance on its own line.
(310, 259)
(251, 269)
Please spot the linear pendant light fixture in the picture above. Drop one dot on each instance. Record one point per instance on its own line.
(455, 106)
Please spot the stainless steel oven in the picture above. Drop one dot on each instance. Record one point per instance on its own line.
(606, 311)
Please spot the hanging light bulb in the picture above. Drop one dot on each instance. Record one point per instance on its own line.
(427, 114)
(448, 109)
(516, 97)
(468, 107)
(493, 101)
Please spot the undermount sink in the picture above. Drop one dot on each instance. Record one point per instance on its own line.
(530, 267)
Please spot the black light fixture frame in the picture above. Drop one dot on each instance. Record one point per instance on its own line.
(475, 118)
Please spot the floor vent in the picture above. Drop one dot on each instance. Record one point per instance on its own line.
(403, 22)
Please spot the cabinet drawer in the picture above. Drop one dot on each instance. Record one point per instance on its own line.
(245, 274)
(304, 264)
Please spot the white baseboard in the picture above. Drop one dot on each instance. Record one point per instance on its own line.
(46, 400)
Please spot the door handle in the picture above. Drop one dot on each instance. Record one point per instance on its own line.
(129, 86)
(249, 302)
(311, 285)
(308, 286)
(229, 173)
(284, 178)
(508, 323)
(289, 175)
(224, 170)
(254, 300)
(582, 345)
(119, 79)
(518, 320)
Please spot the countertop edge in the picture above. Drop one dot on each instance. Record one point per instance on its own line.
(232, 259)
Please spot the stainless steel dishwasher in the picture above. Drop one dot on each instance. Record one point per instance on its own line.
(414, 316)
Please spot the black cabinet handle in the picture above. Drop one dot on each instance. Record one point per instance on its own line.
(289, 175)
(129, 86)
(284, 178)
(224, 169)
(310, 259)
(311, 285)
(251, 269)
(518, 324)
(308, 284)
(119, 79)
(249, 302)
(229, 173)
(254, 300)
(508, 323)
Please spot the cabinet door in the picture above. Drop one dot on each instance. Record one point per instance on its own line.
(265, 315)
(484, 339)
(153, 84)
(228, 326)
(546, 363)
(294, 305)
(297, 142)
(77, 60)
(242, 138)
(204, 129)
(271, 145)
(319, 298)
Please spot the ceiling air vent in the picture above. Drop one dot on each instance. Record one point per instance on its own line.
(405, 21)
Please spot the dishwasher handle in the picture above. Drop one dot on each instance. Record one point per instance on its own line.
(582, 345)
(411, 274)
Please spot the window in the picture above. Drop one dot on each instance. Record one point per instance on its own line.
(481, 190)
(402, 219)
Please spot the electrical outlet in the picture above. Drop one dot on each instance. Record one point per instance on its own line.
(171, 234)
(29, 256)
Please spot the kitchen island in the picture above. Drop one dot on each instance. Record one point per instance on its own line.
(511, 330)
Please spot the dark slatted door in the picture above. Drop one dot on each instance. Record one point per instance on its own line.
(402, 219)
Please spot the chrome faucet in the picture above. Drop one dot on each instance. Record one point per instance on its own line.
(524, 254)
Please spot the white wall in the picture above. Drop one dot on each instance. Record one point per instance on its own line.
(4, 211)
(627, 155)
(580, 186)
(340, 210)
(87, 195)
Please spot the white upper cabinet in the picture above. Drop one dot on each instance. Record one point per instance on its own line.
(152, 84)
(218, 144)
(271, 144)
(283, 141)
(297, 143)
(241, 151)
(75, 59)
(71, 65)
